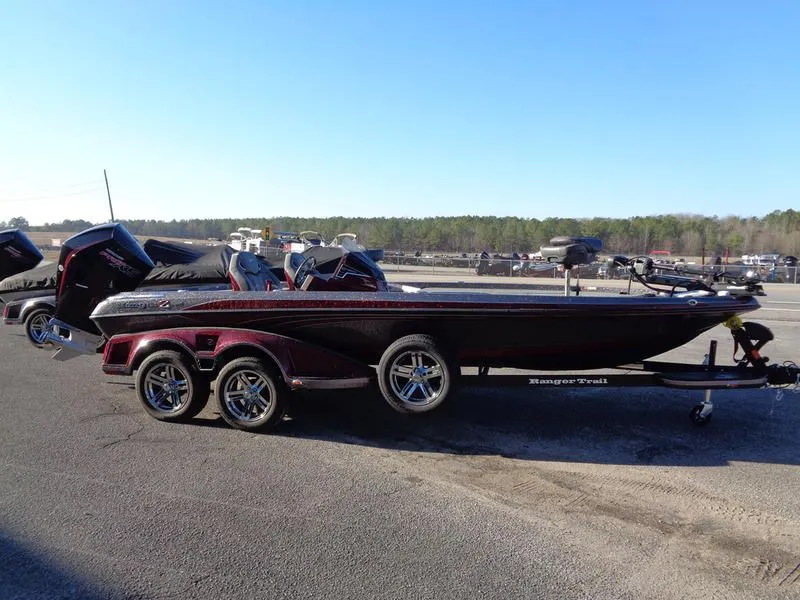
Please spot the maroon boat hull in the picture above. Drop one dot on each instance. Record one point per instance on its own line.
(536, 332)
(301, 365)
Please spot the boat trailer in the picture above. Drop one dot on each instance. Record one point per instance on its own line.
(752, 370)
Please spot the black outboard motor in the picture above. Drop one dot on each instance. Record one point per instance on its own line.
(17, 253)
(483, 263)
(93, 265)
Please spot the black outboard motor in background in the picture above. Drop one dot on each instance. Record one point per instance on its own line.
(17, 253)
(93, 265)
(483, 263)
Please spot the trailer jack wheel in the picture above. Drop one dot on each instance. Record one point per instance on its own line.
(701, 415)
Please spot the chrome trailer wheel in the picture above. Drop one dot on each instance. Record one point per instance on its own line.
(250, 396)
(415, 375)
(170, 388)
(37, 325)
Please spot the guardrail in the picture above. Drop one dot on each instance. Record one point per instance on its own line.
(497, 267)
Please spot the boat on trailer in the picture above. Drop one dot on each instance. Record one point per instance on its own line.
(17, 255)
(337, 323)
(30, 296)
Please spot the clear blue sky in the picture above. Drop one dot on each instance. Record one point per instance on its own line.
(412, 108)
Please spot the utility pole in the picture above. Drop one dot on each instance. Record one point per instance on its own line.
(108, 191)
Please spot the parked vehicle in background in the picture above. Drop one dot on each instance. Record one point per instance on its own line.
(762, 260)
(610, 271)
(497, 264)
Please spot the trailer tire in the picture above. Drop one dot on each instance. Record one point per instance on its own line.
(415, 375)
(250, 395)
(170, 388)
(36, 326)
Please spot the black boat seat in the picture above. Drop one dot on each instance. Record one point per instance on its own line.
(571, 251)
(248, 274)
(592, 243)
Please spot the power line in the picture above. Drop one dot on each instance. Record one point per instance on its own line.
(72, 185)
(29, 198)
(50, 188)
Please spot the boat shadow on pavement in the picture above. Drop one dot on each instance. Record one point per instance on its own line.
(608, 426)
(605, 426)
(26, 572)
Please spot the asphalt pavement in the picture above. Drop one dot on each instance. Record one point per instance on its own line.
(512, 493)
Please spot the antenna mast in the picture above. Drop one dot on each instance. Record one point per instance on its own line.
(108, 191)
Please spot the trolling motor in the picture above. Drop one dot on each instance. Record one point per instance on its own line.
(644, 270)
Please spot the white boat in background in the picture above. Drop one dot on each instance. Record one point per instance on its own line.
(339, 239)
(351, 239)
(247, 239)
(312, 238)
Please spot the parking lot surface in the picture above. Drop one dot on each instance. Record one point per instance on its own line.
(512, 493)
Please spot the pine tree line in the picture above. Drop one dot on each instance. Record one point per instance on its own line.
(778, 231)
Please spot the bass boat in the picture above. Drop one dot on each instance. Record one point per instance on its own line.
(337, 318)
(17, 254)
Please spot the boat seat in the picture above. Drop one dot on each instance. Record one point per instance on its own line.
(291, 262)
(248, 274)
(592, 243)
(571, 251)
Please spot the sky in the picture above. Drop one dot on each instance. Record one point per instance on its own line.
(418, 108)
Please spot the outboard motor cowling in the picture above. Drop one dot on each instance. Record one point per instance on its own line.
(17, 253)
(93, 265)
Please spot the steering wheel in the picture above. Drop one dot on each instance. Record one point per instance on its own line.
(304, 270)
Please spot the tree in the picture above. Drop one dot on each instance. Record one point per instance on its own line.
(735, 241)
(682, 234)
(19, 223)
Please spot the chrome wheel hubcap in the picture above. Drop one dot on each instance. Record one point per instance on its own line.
(247, 396)
(417, 378)
(166, 388)
(40, 325)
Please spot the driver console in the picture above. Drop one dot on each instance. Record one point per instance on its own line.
(303, 271)
(320, 269)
